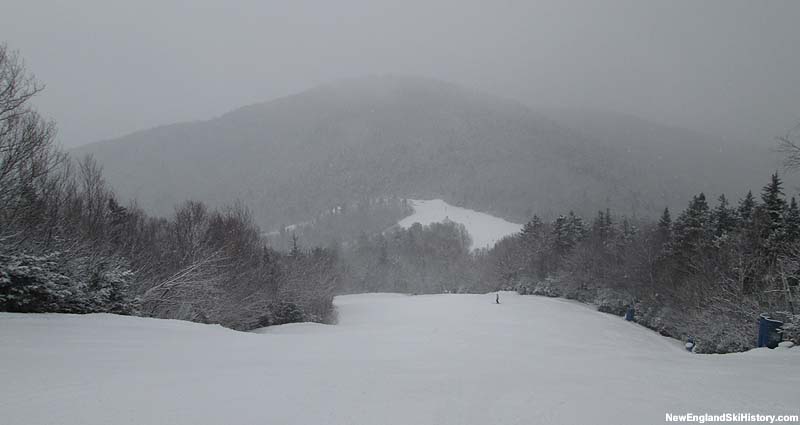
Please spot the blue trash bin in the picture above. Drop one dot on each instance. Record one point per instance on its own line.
(690, 344)
(629, 314)
(769, 332)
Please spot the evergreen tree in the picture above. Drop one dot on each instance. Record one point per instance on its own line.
(773, 202)
(751, 219)
(629, 230)
(561, 239)
(383, 255)
(692, 228)
(532, 230)
(792, 221)
(576, 227)
(724, 217)
(603, 227)
(535, 245)
(665, 226)
(769, 219)
(746, 207)
(597, 225)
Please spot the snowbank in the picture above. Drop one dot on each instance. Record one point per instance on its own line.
(484, 229)
(438, 359)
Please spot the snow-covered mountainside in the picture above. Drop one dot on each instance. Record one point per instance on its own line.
(484, 229)
(293, 157)
(392, 359)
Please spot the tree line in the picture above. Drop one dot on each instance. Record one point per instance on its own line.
(708, 274)
(67, 244)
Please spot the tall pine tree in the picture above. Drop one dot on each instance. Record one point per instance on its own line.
(693, 227)
(724, 217)
(746, 207)
(773, 202)
(770, 222)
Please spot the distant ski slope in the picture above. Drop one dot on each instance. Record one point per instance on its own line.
(484, 229)
(392, 359)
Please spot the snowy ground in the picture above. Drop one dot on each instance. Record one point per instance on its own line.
(484, 229)
(393, 359)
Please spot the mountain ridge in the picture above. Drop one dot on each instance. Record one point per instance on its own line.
(291, 157)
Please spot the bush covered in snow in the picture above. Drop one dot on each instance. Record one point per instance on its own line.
(547, 287)
(57, 283)
(281, 313)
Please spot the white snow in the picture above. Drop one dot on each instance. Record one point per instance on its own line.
(392, 359)
(485, 229)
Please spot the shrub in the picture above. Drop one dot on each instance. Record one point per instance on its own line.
(54, 283)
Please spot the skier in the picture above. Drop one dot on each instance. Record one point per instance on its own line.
(497, 300)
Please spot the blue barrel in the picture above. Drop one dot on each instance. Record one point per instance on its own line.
(769, 332)
(629, 314)
(690, 344)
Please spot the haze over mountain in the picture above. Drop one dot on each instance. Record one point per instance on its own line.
(293, 157)
(726, 67)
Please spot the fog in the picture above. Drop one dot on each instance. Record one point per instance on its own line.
(725, 67)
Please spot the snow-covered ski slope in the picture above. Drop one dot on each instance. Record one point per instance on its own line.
(484, 229)
(392, 359)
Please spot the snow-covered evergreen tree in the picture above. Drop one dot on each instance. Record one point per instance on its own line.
(724, 217)
(792, 221)
(693, 226)
(773, 202)
(58, 282)
(746, 207)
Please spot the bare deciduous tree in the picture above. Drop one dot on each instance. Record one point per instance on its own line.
(789, 146)
(27, 150)
(189, 293)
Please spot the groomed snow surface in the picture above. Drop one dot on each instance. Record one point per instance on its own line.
(392, 359)
(484, 229)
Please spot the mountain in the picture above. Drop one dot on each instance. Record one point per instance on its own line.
(293, 157)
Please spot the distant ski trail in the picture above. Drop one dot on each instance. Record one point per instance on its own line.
(485, 229)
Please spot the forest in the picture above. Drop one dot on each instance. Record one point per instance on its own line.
(708, 274)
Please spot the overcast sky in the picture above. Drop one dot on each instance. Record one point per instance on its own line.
(111, 68)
